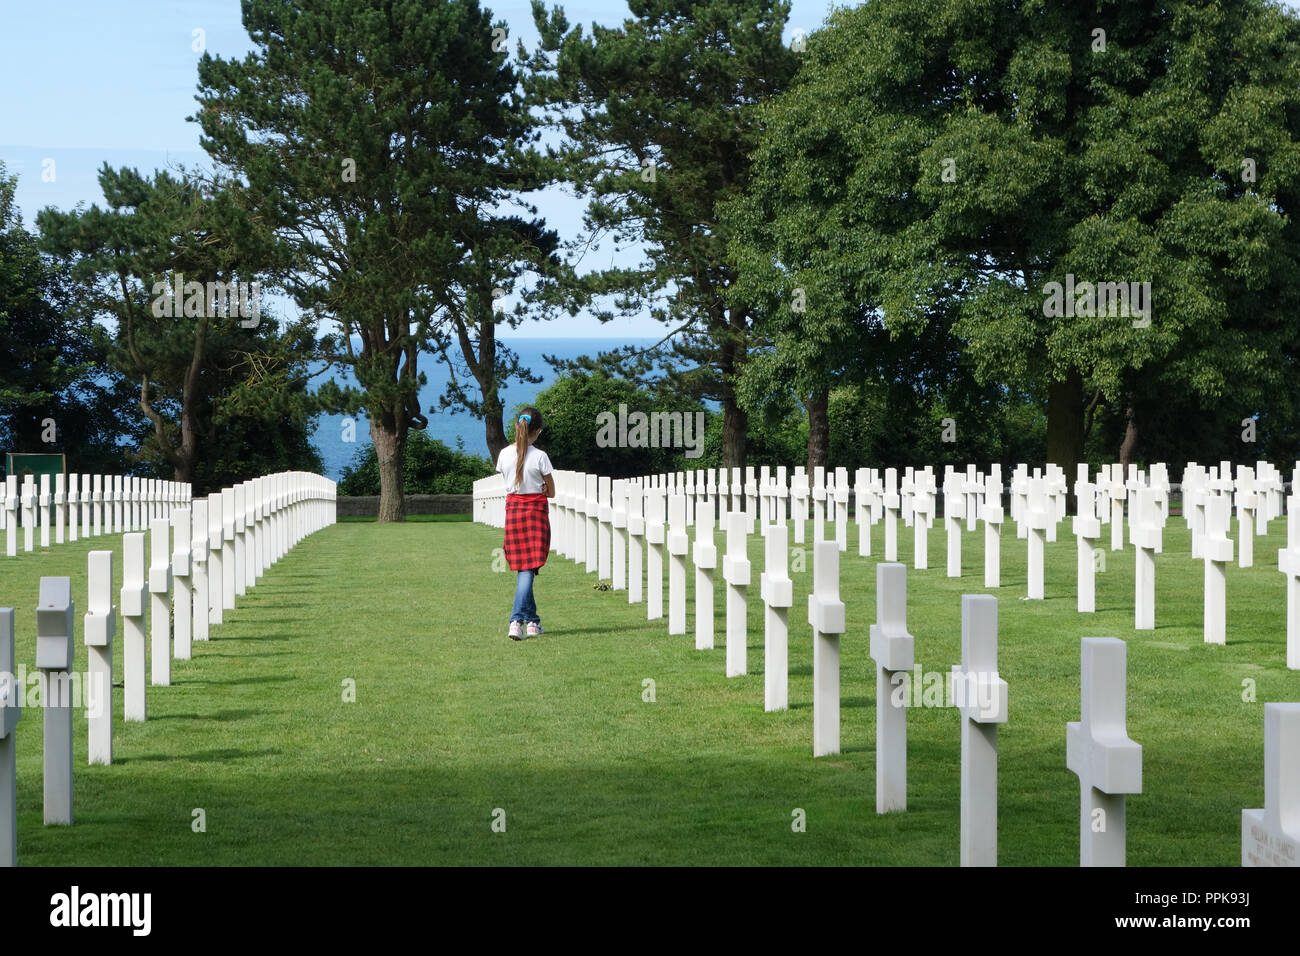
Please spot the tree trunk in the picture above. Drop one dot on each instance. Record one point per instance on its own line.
(735, 420)
(493, 414)
(388, 432)
(1128, 447)
(819, 429)
(1065, 422)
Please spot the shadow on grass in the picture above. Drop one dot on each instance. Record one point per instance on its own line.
(202, 756)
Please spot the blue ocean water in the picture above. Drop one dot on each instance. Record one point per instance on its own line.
(336, 453)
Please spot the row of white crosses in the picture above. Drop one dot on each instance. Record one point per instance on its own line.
(74, 506)
(202, 556)
(1099, 750)
(1038, 503)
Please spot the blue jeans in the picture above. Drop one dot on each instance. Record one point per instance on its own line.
(525, 609)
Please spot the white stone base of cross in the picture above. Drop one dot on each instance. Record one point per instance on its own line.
(892, 649)
(1271, 836)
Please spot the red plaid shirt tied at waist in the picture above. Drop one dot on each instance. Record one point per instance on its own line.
(528, 532)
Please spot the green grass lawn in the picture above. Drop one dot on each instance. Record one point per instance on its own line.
(452, 720)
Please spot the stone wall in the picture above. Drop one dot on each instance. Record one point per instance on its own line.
(367, 506)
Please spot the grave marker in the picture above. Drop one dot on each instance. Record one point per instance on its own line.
(184, 595)
(735, 571)
(635, 536)
(99, 629)
(1098, 750)
(777, 592)
(1288, 562)
(1036, 521)
(618, 535)
(1087, 530)
(954, 511)
(826, 615)
(134, 589)
(678, 545)
(1145, 534)
(705, 556)
(199, 548)
(892, 649)
(1270, 836)
(799, 502)
(54, 659)
(983, 705)
(1216, 549)
(991, 513)
(654, 566)
(160, 583)
(892, 506)
(10, 712)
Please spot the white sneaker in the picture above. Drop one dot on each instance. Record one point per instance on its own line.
(535, 629)
(516, 631)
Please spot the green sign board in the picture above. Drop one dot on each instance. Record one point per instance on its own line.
(21, 463)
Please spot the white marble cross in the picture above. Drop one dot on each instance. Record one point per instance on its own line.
(735, 571)
(842, 508)
(60, 506)
(654, 565)
(1037, 518)
(1020, 499)
(160, 584)
(10, 712)
(635, 538)
(954, 512)
(799, 502)
(591, 519)
(981, 696)
(678, 546)
(922, 515)
(1288, 562)
(738, 494)
(100, 627)
(992, 516)
(892, 505)
(704, 554)
(766, 490)
(1087, 531)
(819, 503)
(54, 658)
(1247, 502)
(29, 512)
(215, 559)
(183, 596)
(618, 535)
(826, 616)
(1098, 750)
(1216, 549)
(199, 550)
(781, 494)
(862, 498)
(605, 529)
(44, 505)
(74, 505)
(777, 592)
(892, 649)
(751, 499)
(1145, 533)
(134, 589)
(1116, 492)
(1270, 836)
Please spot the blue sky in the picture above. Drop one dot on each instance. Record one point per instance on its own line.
(93, 81)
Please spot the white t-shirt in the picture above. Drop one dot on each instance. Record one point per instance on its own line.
(536, 464)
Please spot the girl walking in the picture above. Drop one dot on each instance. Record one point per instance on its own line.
(527, 474)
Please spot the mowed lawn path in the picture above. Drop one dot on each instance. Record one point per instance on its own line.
(455, 726)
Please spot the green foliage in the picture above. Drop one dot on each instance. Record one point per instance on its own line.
(572, 407)
(429, 467)
(935, 165)
(52, 357)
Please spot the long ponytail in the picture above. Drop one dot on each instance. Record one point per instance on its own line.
(529, 423)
